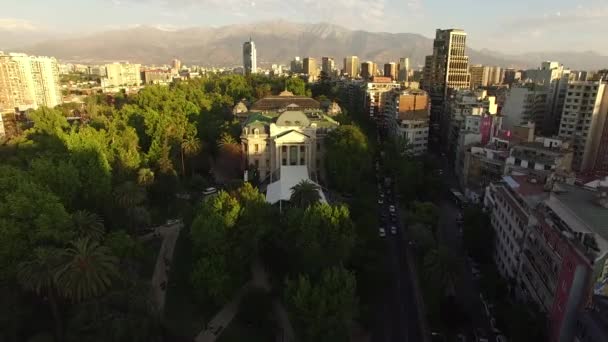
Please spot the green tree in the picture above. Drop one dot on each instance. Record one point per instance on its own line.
(212, 278)
(123, 245)
(38, 274)
(129, 195)
(305, 194)
(347, 157)
(442, 269)
(48, 121)
(425, 213)
(321, 236)
(296, 85)
(145, 177)
(88, 225)
(423, 238)
(191, 146)
(323, 310)
(87, 270)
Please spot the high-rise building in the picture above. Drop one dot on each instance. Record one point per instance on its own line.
(480, 75)
(447, 68)
(351, 66)
(368, 70)
(328, 66)
(176, 64)
(584, 122)
(28, 81)
(376, 92)
(523, 104)
(310, 68)
(390, 70)
(297, 65)
(250, 65)
(404, 69)
(121, 75)
(511, 76)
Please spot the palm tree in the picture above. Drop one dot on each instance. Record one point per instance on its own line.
(38, 275)
(442, 268)
(191, 146)
(129, 195)
(87, 270)
(88, 225)
(305, 194)
(226, 140)
(145, 177)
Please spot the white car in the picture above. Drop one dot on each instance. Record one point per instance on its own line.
(393, 230)
(380, 201)
(209, 191)
(391, 208)
(382, 232)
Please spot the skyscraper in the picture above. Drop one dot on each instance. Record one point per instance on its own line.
(28, 81)
(447, 68)
(249, 58)
(351, 66)
(310, 68)
(176, 64)
(296, 65)
(480, 76)
(368, 69)
(390, 70)
(328, 65)
(121, 75)
(404, 69)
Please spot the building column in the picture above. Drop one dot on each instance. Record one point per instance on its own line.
(288, 154)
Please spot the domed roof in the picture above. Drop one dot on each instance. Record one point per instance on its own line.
(293, 118)
(334, 109)
(239, 108)
(286, 93)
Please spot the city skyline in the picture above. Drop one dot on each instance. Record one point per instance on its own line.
(516, 26)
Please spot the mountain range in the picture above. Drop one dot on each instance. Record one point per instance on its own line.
(276, 42)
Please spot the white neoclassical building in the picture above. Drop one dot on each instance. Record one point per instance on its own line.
(288, 137)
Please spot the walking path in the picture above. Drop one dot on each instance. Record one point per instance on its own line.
(169, 234)
(223, 318)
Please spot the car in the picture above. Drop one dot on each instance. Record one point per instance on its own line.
(501, 338)
(382, 232)
(172, 222)
(393, 230)
(218, 330)
(209, 191)
(480, 336)
(391, 208)
(381, 195)
(380, 201)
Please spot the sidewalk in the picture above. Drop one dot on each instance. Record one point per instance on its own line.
(223, 318)
(160, 275)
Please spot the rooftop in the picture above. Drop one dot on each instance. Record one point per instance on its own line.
(303, 117)
(286, 98)
(583, 204)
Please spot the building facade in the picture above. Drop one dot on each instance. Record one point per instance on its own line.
(583, 121)
(328, 66)
(310, 68)
(250, 65)
(447, 68)
(390, 70)
(351, 66)
(121, 75)
(376, 95)
(28, 81)
(523, 104)
(368, 70)
(407, 114)
(288, 137)
(404, 69)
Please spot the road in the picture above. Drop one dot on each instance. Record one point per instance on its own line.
(399, 315)
(467, 289)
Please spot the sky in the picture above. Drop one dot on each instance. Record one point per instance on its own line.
(511, 26)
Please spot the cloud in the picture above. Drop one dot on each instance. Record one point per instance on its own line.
(361, 14)
(13, 24)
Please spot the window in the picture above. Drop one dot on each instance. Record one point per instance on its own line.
(256, 132)
(256, 148)
(318, 146)
(267, 162)
(302, 161)
(256, 163)
(302, 149)
(284, 161)
(284, 149)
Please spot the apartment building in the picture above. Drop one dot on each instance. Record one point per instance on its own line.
(583, 121)
(310, 68)
(28, 81)
(121, 76)
(390, 70)
(540, 158)
(368, 70)
(351, 66)
(407, 114)
(523, 104)
(376, 92)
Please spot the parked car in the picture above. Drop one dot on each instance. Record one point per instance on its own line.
(393, 230)
(380, 201)
(209, 191)
(391, 208)
(382, 232)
